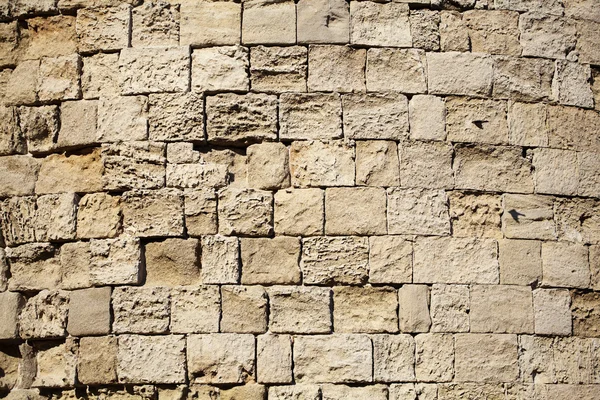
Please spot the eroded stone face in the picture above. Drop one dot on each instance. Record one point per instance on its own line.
(340, 260)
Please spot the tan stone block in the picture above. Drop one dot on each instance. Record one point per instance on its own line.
(22, 86)
(234, 159)
(556, 171)
(56, 217)
(52, 36)
(99, 76)
(573, 128)
(56, 364)
(322, 163)
(475, 215)
(172, 262)
(190, 176)
(153, 213)
(98, 216)
(268, 166)
(595, 266)
(527, 124)
(195, 310)
(341, 358)
(18, 216)
(339, 392)
(546, 6)
(587, 46)
(427, 117)
(571, 356)
(570, 85)
(274, 358)
(75, 260)
(501, 309)
(486, 358)
(12, 140)
(475, 120)
(375, 116)
(20, 175)
(270, 261)
(89, 312)
(339, 260)
(266, 22)
(300, 309)
(44, 316)
(245, 211)
(520, 262)
(222, 21)
(390, 259)
(59, 78)
(310, 116)
(336, 69)
(365, 310)
(220, 260)
(103, 28)
(527, 79)
(589, 170)
(77, 124)
(13, 46)
(355, 211)
(299, 212)
(586, 314)
(457, 391)
(182, 152)
(582, 9)
(556, 255)
(528, 217)
(97, 360)
(140, 310)
(552, 308)
(133, 165)
(454, 35)
(536, 359)
(122, 118)
(33, 267)
(10, 307)
(417, 211)
(450, 307)
(426, 164)
(305, 391)
(323, 21)
(459, 73)
(400, 70)
(244, 309)
(424, 27)
(278, 69)
(546, 36)
(393, 358)
(556, 392)
(175, 117)
(39, 126)
(155, 24)
(380, 24)
(377, 163)
(248, 392)
(220, 358)
(220, 68)
(434, 357)
(200, 209)
(413, 308)
(408, 391)
(493, 32)
(455, 260)
(115, 261)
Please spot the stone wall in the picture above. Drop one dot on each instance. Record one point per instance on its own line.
(300, 200)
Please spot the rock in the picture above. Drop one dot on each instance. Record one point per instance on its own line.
(249, 391)
(571, 357)
(454, 35)
(133, 165)
(12, 140)
(323, 21)
(200, 209)
(18, 217)
(197, 175)
(115, 261)
(408, 391)
(413, 308)
(270, 261)
(528, 217)
(222, 23)
(268, 166)
(322, 163)
(98, 216)
(266, 22)
(342, 358)
(390, 259)
(103, 28)
(427, 117)
(22, 86)
(220, 68)
(13, 46)
(537, 359)
(173, 117)
(552, 308)
(53, 36)
(220, 358)
(44, 316)
(56, 364)
(520, 262)
(243, 309)
(79, 172)
(475, 120)
(587, 46)
(122, 118)
(417, 211)
(365, 310)
(298, 309)
(454, 391)
(527, 79)
(245, 211)
(549, 7)
(155, 24)
(493, 32)
(20, 175)
(56, 217)
(582, 9)
(153, 213)
(450, 307)
(380, 24)
(434, 360)
(527, 125)
(75, 260)
(220, 260)
(295, 392)
(33, 267)
(10, 358)
(588, 163)
(501, 309)
(377, 163)
(182, 153)
(241, 119)
(586, 313)
(99, 76)
(97, 360)
(556, 171)
(77, 124)
(278, 69)
(393, 358)
(375, 116)
(140, 310)
(339, 392)
(455, 260)
(172, 262)
(557, 255)
(310, 116)
(151, 359)
(571, 84)
(274, 359)
(400, 70)
(89, 312)
(39, 125)
(546, 36)
(336, 69)
(19, 8)
(426, 164)
(59, 78)
(459, 74)
(334, 260)
(10, 307)
(299, 212)
(355, 211)
(486, 358)
(424, 27)
(195, 310)
(573, 128)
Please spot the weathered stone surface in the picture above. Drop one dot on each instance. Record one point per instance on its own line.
(89, 312)
(80, 172)
(454, 35)
(50, 37)
(268, 166)
(475, 215)
(77, 124)
(414, 308)
(153, 213)
(450, 307)
(310, 116)
(528, 217)
(244, 309)
(56, 364)
(220, 260)
(278, 69)
(390, 259)
(557, 255)
(173, 117)
(486, 358)
(339, 392)
(59, 78)
(220, 68)
(245, 211)
(270, 261)
(196, 175)
(274, 359)
(12, 140)
(195, 310)
(323, 21)
(300, 309)
(377, 163)
(340, 260)
(75, 259)
(408, 391)
(587, 47)
(585, 309)
(151, 359)
(200, 209)
(295, 392)
(546, 6)
(44, 316)
(336, 69)
(115, 261)
(556, 171)
(527, 124)
(552, 308)
(573, 128)
(456, 391)
(97, 360)
(571, 84)
(393, 358)
(536, 359)
(427, 117)
(172, 262)
(155, 24)
(474, 120)
(380, 24)
(56, 217)
(355, 211)
(23, 84)
(220, 358)
(400, 70)
(589, 166)
(269, 22)
(365, 310)
(426, 164)
(18, 216)
(520, 262)
(493, 32)
(122, 118)
(299, 212)
(39, 126)
(103, 28)
(140, 310)
(424, 27)
(182, 153)
(133, 165)
(10, 307)
(527, 79)
(20, 175)
(417, 211)
(99, 75)
(455, 260)
(434, 359)
(375, 116)
(459, 73)
(33, 267)
(221, 21)
(249, 391)
(501, 309)
(342, 358)
(322, 163)
(98, 216)
(546, 36)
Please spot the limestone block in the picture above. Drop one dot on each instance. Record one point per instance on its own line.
(56, 217)
(200, 209)
(77, 124)
(322, 163)
(339, 392)
(528, 217)
(571, 84)
(587, 46)
(310, 116)
(355, 211)
(520, 262)
(401, 70)
(19, 8)
(492, 168)
(582, 9)
(18, 217)
(340, 260)
(153, 213)
(174, 117)
(393, 358)
(586, 313)
(75, 260)
(99, 75)
(245, 211)
(295, 392)
(97, 360)
(552, 308)
(450, 307)
(408, 391)
(12, 140)
(454, 35)
(424, 27)
(527, 79)
(390, 259)
(556, 171)
(278, 69)
(434, 357)
(557, 255)
(268, 166)
(455, 260)
(572, 128)
(380, 24)
(475, 120)
(249, 391)
(274, 359)
(426, 164)
(323, 21)
(80, 173)
(241, 119)
(13, 46)
(89, 312)
(493, 32)
(556, 392)
(56, 364)
(336, 69)
(266, 22)
(103, 28)
(197, 175)
(299, 212)
(342, 358)
(98, 216)
(459, 73)
(53, 36)
(39, 126)
(151, 359)
(59, 78)
(527, 124)
(172, 262)
(270, 261)
(427, 117)
(140, 310)
(22, 86)
(536, 359)
(589, 166)
(456, 391)
(546, 36)
(375, 116)
(44, 316)
(501, 309)
(298, 309)
(155, 24)
(220, 260)
(377, 163)
(571, 357)
(234, 158)
(33, 267)
(182, 152)
(413, 308)
(365, 309)
(222, 21)
(549, 7)
(485, 358)
(417, 212)
(220, 358)
(475, 215)
(122, 118)
(115, 261)
(220, 68)
(10, 306)
(195, 310)
(244, 309)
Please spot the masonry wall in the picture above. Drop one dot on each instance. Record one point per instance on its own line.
(311, 200)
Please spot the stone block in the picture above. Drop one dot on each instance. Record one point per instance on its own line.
(268, 166)
(335, 260)
(39, 126)
(200, 209)
(98, 216)
(585, 308)
(133, 165)
(339, 392)
(122, 118)
(274, 359)
(556, 255)
(475, 215)
(587, 46)
(22, 86)
(456, 391)
(97, 360)
(172, 262)
(75, 260)
(322, 163)
(115, 261)
(323, 21)
(355, 211)
(300, 309)
(197, 175)
(220, 260)
(546, 36)
(182, 152)
(299, 212)
(549, 7)
(390, 259)
(77, 124)
(270, 261)
(249, 391)
(459, 73)
(417, 212)
(424, 27)
(44, 316)
(552, 311)
(393, 358)
(20, 175)
(103, 28)
(174, 117)
(571, 84)
(377, 163)
(527, 79)
(12, 140)
(365, 310)
(485, 358)
(153, 213)
(244, 309)
(454, 35)
(13, 46)
(310, 116)
(375, 116)
(52, 36)
(89, 312)
(10, 307)
(413, 308)
(434, 357)
(476, 121)
(195, 310)
(426, 164)
(222, 21)
(556, 171)
(56, 364)
(336, 69)
(18, 217)
(427, 117)
(245, 211)
(297, 391)
(402, 70)
(99, 75)
(589, 170)
(501, 309)
(33, 267)
(493, 31)
(55, 218)
(266, 22)
(140, 309)
(59, 78)
(380, 24)
(527, 124)
(155, 24)
(407, 391)
(278, 69)
(220, 68)
(572, 128)
(528, 217)
(520, 262)
(450, 307)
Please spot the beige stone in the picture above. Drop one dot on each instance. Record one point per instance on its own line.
(10, 307)
(456, 391)
(434, 357)
(278, 69)
(153, 213)
(546, 36)
(51, 37)
(393, 358)
(426, 164)
(459, 73)
(474, 120)
(97, 360)
(274, 359)
(200, 209)
(501, 309)
(424, 27)
(133, 165)
(249, 391)
(33, 267)
(557, 255)
(75, 260)
(182, 152)
(552, 308)
(12, 140)
(527, 79)
(355, 211)
(556, 171)
(323, 21)
(408, 391)
(89, 312)
(172, 262)
(573, 128)
(377, 163)
(493, 32)
(245, 211)
(59, 78)
(365, 310)
(77, 124)
(375, 116)
(340, 260)
(195, 310)
(39, 125)
(413, 308)
(268, 166)
(520, 262)
(402, 70)
(486, 358)
(571, 356)
(585, 311)
(300, 309)
(546, 6)
(98, 216)
(455, 260)
(295, 392)
(99, 75)
(18, 216)
(266, 22)
(380, 24)
(155, 24)
(339, 392)
(450, 307)
(103, 28)
(56, 364)
(417, 211)
(220, 260)
(310, 116)
(299, 212)
(44, 316)
(582, 9)
(589, 165)
(140, 309)
(322, 163)
(571, 84)
(527, 124)
(115, 261)
(427, 117)
(390, 259)
(197, 175)
(173, 117)
(122, 118)
(56, 217)
(235, 160)
(587, 47)
(222, 21)
(20, 175)
(475, 215)
(270, 261)
(454, 35)
(528, 217)
(336, 69)
(22, 86)
(244, 309)
(220, 68)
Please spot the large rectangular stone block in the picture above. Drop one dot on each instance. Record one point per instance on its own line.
(341, 260)
(459, 73)
(486, 358)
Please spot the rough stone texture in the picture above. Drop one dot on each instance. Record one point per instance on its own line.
(557, 255)
(115, 261)
(493, 32)
(44, 316)
(55, 364)
(268, 166)
(322, 163)
(174, 117)
(221, 22)
(475, 215)
(417, 211)
(355, 211)
(278, 69)
(476, 121)
(527, 124)
(33, 267)
(323, 21)
(244, 309)
(220, 260)
(572, 128)
(434, 360)
(528, 217)
(450, 307)
(336, 68)
(338, 392)
(299, 212)
(59, 78)
(274, 358)
(459, 74)
(365, 310)
(400, 70)
(493, 309)
(245, 212)
(584, 309)
(375, 116)
(427, 117)
(172, 262)
(153, 213)
(300, 310)
(97, 360)
(547, 36)
(195, 310)
(571, 84)
(390, 259)
(485, 358)
(39, 125)
(98, 216)
(393, 358)
(269, 22)
(133, 165)
(426, 164)
(424, 25)
(89, 312)
(220, 68)
(377, 163)
(122, 118)
(103, 28)
(552, 308)
(321, 115)
(155, 24)
(77, 124)
(19, 177)
(99, 75)
(520, 262)
(380, 24)
(200, 209)
(341, 260)
(270, 261)
(453, 33)
(527, 79)
(9, 311)
(140, 310)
